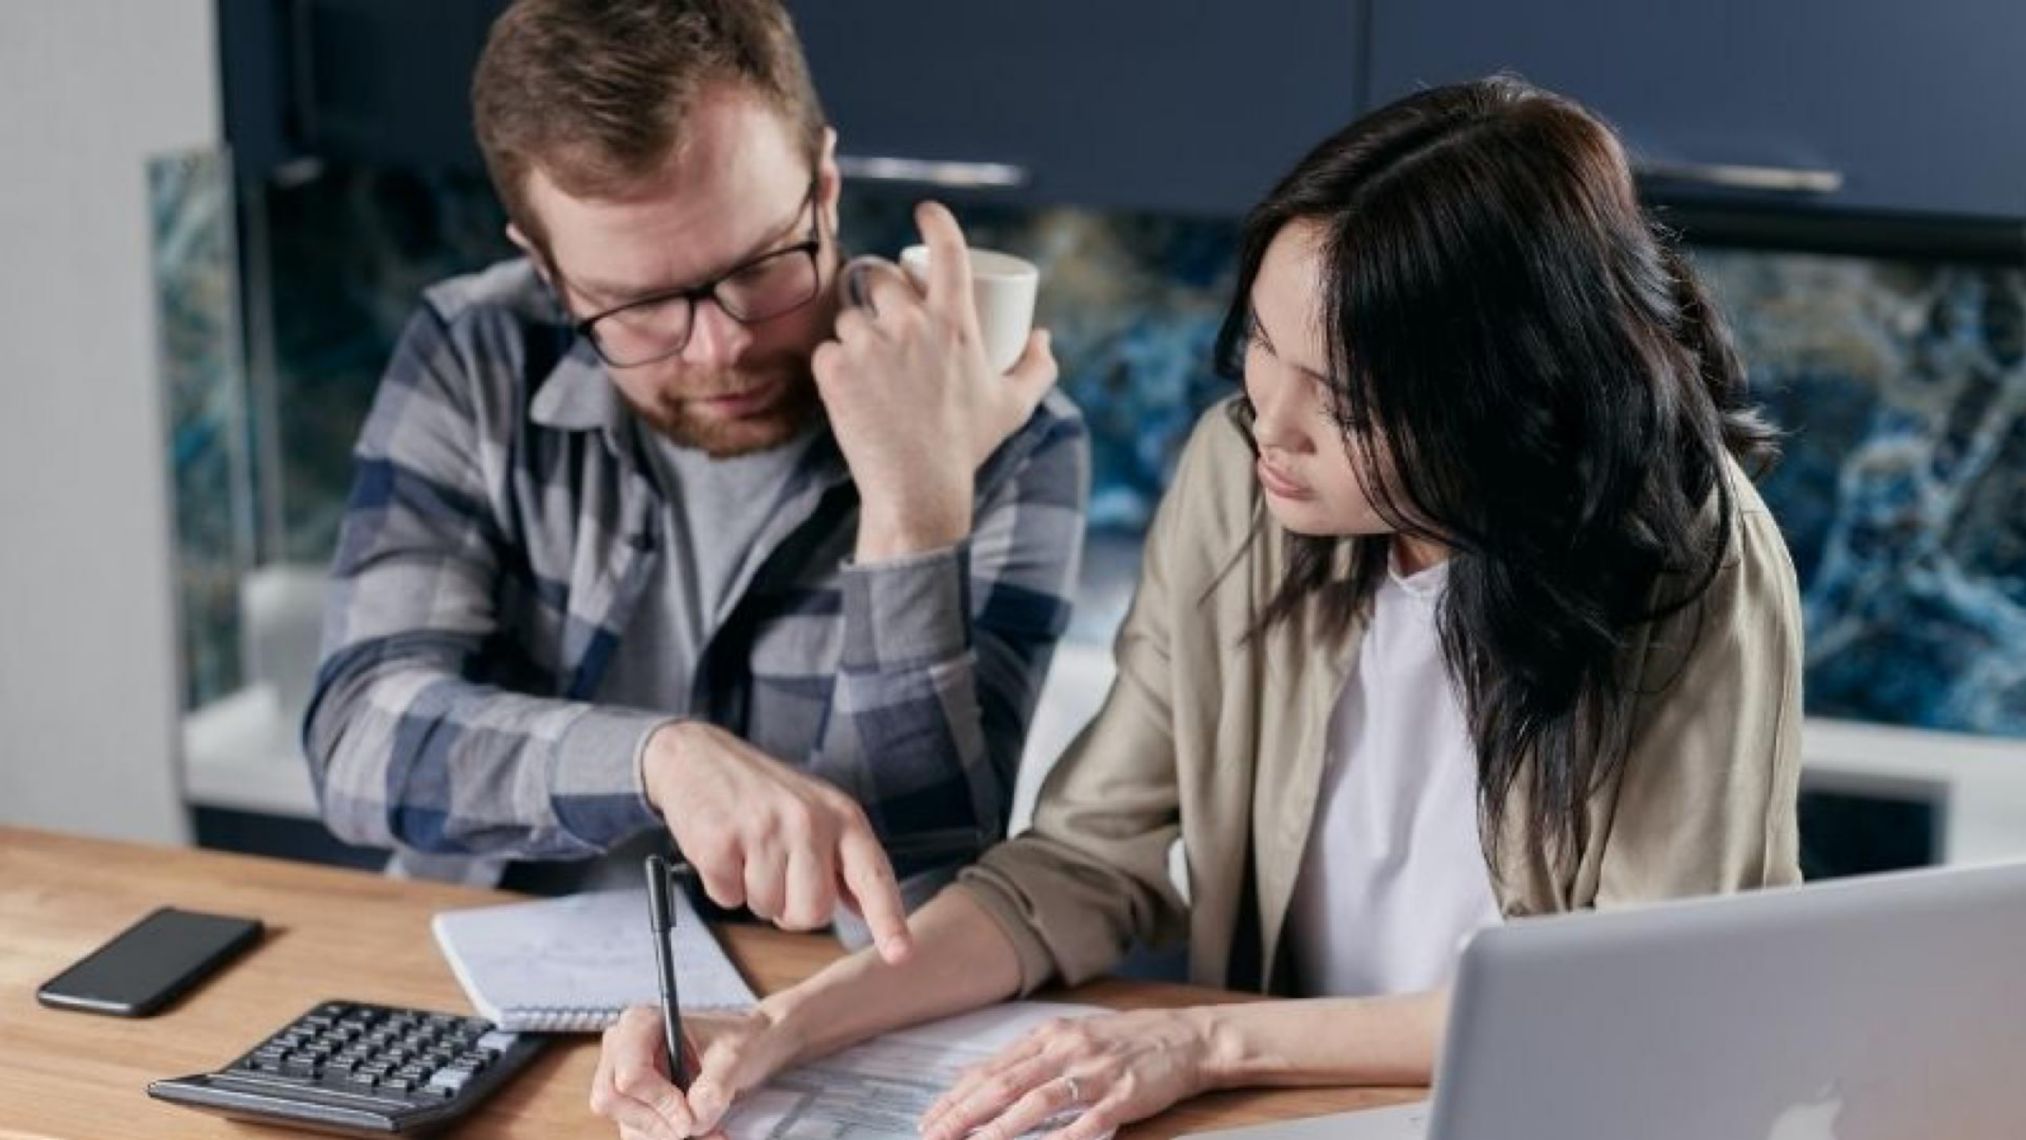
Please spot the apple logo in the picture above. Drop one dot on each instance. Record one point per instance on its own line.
(1810, 1120)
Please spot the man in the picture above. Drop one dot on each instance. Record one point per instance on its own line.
(636, 551)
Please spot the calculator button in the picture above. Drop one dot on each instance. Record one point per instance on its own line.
(495, 1042)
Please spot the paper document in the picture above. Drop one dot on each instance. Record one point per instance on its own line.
(880, 1089)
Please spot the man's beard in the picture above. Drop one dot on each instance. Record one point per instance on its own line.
(793, 409)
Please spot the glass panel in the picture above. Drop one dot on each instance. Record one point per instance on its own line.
(350, 251)
(196, 289)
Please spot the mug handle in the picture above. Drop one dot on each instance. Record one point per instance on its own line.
(857, 289)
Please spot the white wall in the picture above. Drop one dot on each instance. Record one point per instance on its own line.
(87, 665)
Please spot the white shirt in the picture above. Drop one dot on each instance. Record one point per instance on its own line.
(1393, 878)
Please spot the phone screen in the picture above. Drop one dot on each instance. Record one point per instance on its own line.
(150, 962)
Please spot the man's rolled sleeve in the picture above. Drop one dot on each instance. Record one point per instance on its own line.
(942, 653)
(907, 612)
(596, 783)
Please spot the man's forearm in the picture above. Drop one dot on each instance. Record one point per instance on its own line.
(906, 703)
(410, 754)
(945, 649)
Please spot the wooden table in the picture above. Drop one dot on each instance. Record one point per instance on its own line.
(337, 933)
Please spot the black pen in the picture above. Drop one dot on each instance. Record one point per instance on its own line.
(661, 916)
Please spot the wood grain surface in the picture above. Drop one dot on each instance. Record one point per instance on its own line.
(343, 934)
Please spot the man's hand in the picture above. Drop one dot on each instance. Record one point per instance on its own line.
(913, 402)
(787, 846)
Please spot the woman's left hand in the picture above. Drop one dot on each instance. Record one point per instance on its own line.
(1117, 1067)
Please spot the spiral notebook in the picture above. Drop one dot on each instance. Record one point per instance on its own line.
(571, 965)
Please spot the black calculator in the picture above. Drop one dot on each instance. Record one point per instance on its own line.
(361, 1069)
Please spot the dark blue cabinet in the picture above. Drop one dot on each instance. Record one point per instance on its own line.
(1874, 104)
(1185, 105)
(384, 82)
(1197, 105)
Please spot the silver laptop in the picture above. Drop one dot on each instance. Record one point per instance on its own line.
(1881, 1008)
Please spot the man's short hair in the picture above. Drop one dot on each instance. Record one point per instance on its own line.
(594, 92)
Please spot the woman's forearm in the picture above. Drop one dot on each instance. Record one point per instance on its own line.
(960, 961)
(1325, 1041)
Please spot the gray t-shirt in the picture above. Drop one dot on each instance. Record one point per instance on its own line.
(716, 509)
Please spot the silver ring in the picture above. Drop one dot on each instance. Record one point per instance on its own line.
(1075, 1094)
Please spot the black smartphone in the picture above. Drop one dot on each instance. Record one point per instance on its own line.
(151, 963)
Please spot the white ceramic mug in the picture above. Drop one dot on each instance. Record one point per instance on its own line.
(1003, 286)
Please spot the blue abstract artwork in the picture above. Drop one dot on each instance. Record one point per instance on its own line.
(1902, 493)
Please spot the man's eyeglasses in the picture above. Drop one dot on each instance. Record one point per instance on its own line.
(656, 327)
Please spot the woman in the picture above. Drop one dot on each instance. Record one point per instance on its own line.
(1466, 610)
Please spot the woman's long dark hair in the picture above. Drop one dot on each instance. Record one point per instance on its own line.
(1555, 396)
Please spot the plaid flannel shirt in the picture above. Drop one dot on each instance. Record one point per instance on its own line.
(499, 536)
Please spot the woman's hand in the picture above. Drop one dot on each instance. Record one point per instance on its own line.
(729, 1054)
(1118, 1068)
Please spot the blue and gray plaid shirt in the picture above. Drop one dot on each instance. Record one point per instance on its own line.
(498, 542)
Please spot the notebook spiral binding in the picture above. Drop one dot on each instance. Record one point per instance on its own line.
(576, 1018)
(559, 1019)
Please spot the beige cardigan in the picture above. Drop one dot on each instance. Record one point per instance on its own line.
(1221, 742)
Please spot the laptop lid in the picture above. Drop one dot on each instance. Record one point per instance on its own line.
(1863, 1009)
